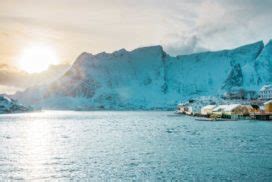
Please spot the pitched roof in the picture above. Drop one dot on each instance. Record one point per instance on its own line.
(226, 108)
(268, 102)
(266, 87)
(209, 107)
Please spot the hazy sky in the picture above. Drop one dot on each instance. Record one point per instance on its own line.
(181, 26)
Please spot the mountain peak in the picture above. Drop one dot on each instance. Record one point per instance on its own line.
(249, 47)
(269, 44)
(148, 48)
(267, 50)
(156, 50)
(120, 52)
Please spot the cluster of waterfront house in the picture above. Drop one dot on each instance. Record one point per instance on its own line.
(238, 108)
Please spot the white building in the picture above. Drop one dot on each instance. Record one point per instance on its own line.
(185, 109)
(207, 109)
(266, 92)
(233, 111)
(225, 109)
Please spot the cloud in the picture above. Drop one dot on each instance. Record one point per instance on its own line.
(221, 24)
(181, 26)
(9, 89)
(187, 45)
(14, 78)
(72, 27)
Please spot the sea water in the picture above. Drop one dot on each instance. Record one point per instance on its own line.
(132, 146)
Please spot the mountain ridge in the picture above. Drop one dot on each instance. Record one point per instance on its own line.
(149, 78)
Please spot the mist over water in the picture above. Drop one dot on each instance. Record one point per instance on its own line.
(114, 146)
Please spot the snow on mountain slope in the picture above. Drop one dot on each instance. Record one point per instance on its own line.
(8, 105)
(263, 65)
(148, 78)
(259, 72)
(205, 73)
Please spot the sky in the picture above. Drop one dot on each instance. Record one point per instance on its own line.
(71, 27)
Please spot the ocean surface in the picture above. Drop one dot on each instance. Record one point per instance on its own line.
(132, 146)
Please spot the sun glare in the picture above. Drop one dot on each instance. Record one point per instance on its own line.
(36, 59)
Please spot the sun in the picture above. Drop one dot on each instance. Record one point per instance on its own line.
(38, 58)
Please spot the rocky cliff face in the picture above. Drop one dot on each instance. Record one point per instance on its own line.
(263, 65)
(235, 78)
(148, 78)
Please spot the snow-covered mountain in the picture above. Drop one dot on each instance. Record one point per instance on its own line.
(8, 105)
(149, 78)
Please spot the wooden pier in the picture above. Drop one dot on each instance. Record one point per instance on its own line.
(262, 116)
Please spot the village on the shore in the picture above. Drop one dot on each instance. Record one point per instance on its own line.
(233, 105)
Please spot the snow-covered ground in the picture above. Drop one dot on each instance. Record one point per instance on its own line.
(149, 78)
